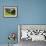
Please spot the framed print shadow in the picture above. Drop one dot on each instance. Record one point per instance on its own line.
(10, 11)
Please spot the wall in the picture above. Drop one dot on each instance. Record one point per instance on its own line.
(7, 25)
(29, 12)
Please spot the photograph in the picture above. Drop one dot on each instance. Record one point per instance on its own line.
(10, 11)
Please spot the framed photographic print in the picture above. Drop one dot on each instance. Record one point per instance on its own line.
(10, 11)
